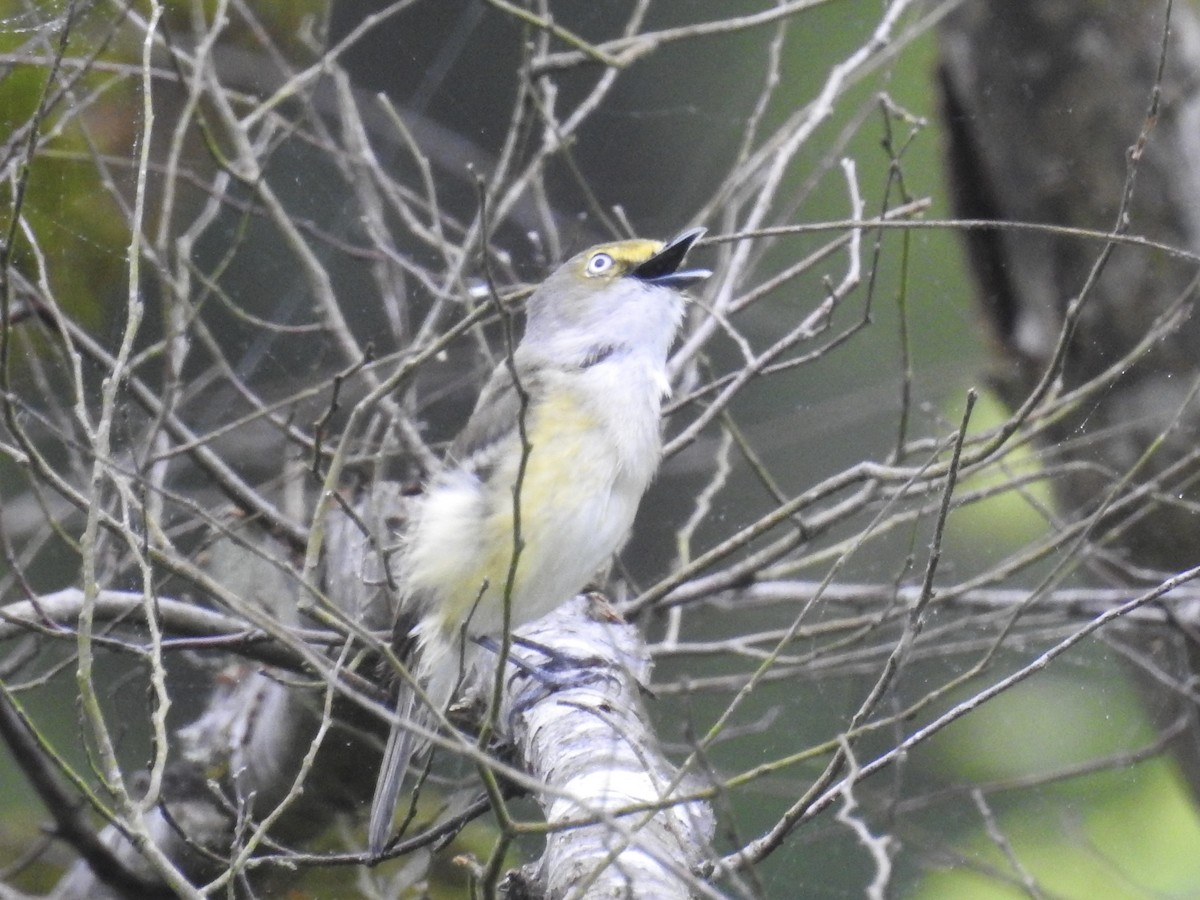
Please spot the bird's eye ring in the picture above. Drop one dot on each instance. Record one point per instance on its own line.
(599, 264)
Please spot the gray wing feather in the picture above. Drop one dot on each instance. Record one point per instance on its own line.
(493, 422)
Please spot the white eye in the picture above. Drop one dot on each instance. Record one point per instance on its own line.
(599, 264)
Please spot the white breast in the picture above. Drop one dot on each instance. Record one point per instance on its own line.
(595, 444)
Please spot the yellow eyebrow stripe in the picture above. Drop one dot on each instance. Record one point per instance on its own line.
(631, 253)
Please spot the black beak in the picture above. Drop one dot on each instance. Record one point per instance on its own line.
(663, 267)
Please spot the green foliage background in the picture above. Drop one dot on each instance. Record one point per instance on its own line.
(1128, 832)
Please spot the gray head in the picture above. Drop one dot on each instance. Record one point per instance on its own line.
(624, 293)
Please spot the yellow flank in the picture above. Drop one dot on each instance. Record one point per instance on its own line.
(566, 508)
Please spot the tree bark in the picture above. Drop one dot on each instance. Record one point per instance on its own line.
(1043, 102)
(1055, 115)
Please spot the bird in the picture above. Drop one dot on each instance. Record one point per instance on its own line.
(562, 443)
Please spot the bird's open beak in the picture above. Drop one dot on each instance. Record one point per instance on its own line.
(663, 267)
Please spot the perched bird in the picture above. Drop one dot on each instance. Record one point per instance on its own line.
(590, 378)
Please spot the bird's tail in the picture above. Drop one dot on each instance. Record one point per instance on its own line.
(437, 668)
(399, 748)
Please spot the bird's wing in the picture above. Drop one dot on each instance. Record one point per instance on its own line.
(494, 422)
